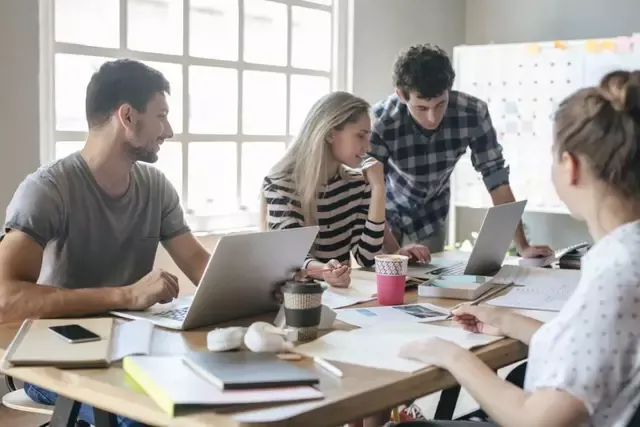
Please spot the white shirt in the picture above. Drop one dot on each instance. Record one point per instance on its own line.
(592, 348)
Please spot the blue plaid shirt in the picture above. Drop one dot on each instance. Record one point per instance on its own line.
(418, 163)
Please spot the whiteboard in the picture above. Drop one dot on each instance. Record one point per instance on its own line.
(523, 85)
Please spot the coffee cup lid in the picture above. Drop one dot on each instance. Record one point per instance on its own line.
(302, 287)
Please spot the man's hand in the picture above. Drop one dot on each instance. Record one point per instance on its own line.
(416, 253)
(156, 287)
(536, 251)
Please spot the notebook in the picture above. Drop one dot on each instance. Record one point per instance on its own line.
(464, 287)
(239, 370)
(169, 382)
(36, 345)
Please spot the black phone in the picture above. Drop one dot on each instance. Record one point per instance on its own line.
(74, 333)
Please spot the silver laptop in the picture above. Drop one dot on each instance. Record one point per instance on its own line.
(238, 282)
(490, 249)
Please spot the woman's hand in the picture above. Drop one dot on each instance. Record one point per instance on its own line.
(373, 172)
(432, 351)
(338, 275)
(480, 319)
(416, 253)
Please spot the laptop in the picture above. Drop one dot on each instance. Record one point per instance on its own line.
(238, 281)
(490, 250)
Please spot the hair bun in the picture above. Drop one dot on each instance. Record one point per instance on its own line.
(622, 90)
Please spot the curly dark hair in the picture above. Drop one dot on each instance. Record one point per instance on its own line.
(424, 69)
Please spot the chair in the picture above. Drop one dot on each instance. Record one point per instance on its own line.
(18, 400)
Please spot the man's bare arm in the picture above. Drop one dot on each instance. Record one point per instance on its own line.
(189, 255)
(21, 297)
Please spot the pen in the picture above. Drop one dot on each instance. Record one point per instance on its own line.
(329, 367)
(493, 292)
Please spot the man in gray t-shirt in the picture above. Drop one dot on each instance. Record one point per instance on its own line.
(81, 233)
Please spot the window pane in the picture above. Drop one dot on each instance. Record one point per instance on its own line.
(305, 91)
(88, 22)
(213, 29)
(311, 39)
(265, 32)
(264, 103)
(213, 100)
(170, 163)
(257, 160)
(213, 181)
(155, 26)
(72, 76)
(173, 73)
(65, 148)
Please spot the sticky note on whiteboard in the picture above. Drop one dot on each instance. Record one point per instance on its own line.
(624, 44)
(592, 46)
(533, 49)
(559, 44)
(608, 45)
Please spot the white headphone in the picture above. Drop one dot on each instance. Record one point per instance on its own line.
(259, 337)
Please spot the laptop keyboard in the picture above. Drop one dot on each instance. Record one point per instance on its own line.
(174, 313)
(451, 270)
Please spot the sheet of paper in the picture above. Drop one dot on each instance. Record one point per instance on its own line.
(531, 300)
(364, 317)
(131, 338)
(339, 298)
(536, 288)
(378, 346)
(552, 279)
(362, 288)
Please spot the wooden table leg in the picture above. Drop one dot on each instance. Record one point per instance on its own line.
(65, 413)
(447, 404)
(104, 419)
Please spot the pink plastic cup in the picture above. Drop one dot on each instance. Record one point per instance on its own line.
(391, 278)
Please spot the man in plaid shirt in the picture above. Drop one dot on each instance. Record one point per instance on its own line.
(419, 133)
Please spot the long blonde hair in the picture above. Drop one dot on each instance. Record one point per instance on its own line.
(306, 162)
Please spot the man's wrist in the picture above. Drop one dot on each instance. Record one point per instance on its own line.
(121, 297)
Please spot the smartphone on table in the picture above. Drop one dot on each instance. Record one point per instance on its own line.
(74, 333)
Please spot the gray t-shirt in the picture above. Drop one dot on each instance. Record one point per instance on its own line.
(89, 238)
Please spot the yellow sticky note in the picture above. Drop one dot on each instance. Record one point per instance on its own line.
(592, 46)
(607, 45)
(559, 44)
(533, 49)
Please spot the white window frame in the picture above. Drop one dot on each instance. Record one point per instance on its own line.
(339, 74)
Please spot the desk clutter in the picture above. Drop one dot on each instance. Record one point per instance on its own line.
(256, 365)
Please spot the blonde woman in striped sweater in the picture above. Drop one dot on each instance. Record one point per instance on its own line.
(325, 179)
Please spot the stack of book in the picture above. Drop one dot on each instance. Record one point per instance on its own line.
(220, 380)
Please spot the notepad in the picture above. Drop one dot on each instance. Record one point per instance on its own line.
(463, 287)
(238, 370)
(173, 385)
(36, 345)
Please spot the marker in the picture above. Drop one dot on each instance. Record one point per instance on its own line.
(329, 367)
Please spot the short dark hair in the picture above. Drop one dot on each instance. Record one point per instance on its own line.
(122, 81)
(423, 69)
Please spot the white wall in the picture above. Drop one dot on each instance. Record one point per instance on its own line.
(384, 27)
(19, 116)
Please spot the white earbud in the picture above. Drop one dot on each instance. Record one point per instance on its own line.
(225, 339)
(263, 337)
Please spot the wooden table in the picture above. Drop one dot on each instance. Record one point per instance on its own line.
(361, 392)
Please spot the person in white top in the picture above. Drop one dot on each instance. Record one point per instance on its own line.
(584, 365)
